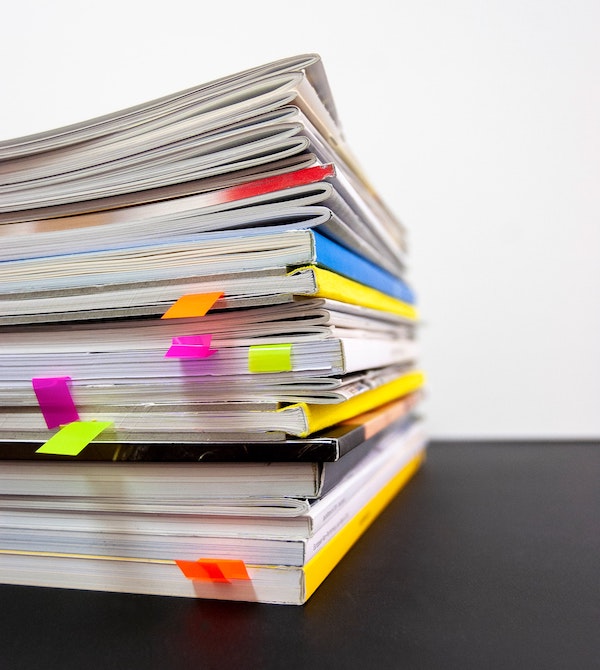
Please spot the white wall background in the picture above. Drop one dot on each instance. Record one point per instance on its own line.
(478, 121)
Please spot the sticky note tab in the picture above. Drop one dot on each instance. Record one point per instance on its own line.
(221, 570)
(54, 398)
(270, 358)
(73, 438)
(194, 304)
(191, 346)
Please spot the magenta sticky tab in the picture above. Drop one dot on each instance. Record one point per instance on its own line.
(191, 346)
(55, 401)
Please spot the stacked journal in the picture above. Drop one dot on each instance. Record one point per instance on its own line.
(207, 343)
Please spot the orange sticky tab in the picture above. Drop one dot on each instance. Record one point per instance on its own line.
(194, 304)
(221, 570)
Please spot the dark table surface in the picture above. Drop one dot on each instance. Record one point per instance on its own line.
(490, 558)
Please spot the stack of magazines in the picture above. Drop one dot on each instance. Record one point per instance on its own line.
(208, 345)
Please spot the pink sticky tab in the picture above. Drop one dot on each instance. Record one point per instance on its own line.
(191, 346)
(55, 401)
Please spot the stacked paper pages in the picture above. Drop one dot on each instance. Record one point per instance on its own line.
(208, 345)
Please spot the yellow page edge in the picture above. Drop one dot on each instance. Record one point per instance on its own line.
(320, 565)
(335, 287)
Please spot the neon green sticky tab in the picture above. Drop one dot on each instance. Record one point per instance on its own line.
(270, 358)
(72, 438)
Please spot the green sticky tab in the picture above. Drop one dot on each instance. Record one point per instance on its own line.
(73, 438)
(270, 358)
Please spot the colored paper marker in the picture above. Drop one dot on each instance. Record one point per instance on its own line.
(73, 438)
(191, 346)
(194, 304)
(221, 570)
(270, 358)
(55, 401)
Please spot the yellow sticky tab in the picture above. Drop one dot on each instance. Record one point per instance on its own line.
(194, 304)
(73, 438)
(270, 358)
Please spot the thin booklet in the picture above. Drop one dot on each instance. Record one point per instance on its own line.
(209, 421)
(326, 445)
(271, 285)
